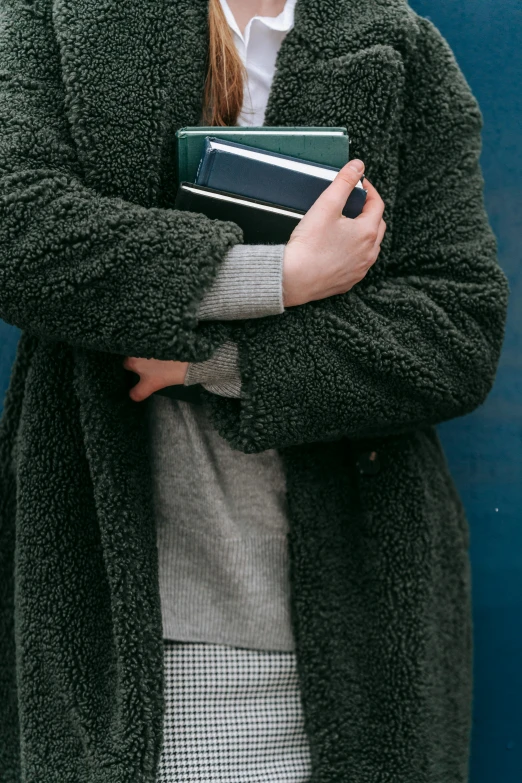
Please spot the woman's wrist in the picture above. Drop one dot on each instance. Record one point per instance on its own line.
(288, 293)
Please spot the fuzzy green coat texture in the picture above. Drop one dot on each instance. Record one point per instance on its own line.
(95, 264)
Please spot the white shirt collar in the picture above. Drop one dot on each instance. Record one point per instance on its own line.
(283, 22)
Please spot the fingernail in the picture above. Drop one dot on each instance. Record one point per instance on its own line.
(356, 165)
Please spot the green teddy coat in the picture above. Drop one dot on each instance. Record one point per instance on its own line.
(95, 265)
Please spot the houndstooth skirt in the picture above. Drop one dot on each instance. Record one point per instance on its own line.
(232, 715)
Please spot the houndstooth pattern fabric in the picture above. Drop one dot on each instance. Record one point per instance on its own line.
(232, 715)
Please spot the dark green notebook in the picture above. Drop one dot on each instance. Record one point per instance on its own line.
(329, 145)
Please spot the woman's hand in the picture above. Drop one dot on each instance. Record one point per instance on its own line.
(154, 374)
(328, 253)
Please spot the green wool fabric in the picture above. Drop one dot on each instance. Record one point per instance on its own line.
(95, 264)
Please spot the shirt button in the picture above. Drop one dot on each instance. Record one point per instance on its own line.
(368, 463)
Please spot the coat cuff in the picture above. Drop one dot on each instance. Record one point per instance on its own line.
(248, 284)
(219, 374)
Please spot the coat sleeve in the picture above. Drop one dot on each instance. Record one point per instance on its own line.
(420, 343)
(97, 272)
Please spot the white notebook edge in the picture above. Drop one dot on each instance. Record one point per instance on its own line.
(313, 169)
(238, 200)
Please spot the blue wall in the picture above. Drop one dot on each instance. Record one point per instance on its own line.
(484, 449)
(8, 342)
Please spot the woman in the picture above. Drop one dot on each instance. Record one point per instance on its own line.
(339, 394)
(223, 561)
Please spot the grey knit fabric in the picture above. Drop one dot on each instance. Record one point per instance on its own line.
(220, 513)
(220, 373)
(249, 284)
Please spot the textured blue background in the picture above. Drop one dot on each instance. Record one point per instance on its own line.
(484, 449)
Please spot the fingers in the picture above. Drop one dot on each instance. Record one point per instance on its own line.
(381, 232)
(334, 198)
(380, 236)
(141, 390)
(145, 385)
(154, 374)
(138, 365)
(373, 207)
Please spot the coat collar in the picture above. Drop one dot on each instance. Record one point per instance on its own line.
(134, 74)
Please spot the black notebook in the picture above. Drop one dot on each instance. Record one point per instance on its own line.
(270, 176)
(263, 223)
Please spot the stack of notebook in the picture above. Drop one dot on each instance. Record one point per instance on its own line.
(262, 178)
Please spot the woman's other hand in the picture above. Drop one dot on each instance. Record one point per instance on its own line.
(328, 253)
(154, 374)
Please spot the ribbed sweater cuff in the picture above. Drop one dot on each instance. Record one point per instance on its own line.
(219, 374)
(248, 284)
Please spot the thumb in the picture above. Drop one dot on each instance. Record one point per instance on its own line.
(143, 389)
(335, 196)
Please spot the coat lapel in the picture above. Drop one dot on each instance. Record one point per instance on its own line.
(342, 64)
(146, 69)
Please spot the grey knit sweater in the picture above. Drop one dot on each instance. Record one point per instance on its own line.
(221, 514)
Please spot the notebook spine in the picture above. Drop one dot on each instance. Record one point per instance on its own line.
(184, 163)
(205, 164)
